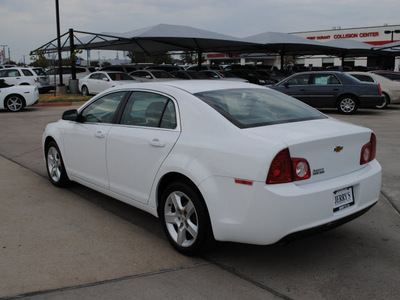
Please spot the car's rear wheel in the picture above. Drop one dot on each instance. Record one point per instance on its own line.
(185, 219)
(347, 105)
(15, 103)
(385, 103)
(85, 90)
(55, 166)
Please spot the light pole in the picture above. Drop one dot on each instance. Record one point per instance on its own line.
(392, 32)
(59, 42)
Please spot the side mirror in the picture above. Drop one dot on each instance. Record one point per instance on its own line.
(70, 115)
(286, 84)
(105, 79)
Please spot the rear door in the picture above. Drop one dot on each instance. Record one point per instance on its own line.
(324, 90)
(136, 148)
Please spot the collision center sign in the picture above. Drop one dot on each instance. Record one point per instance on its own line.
(353, 35)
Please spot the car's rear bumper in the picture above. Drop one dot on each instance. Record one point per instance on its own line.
(265, 214)
(371, 101)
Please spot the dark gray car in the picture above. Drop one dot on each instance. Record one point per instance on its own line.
(331, 90)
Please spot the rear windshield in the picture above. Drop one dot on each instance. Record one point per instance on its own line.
(258, 107)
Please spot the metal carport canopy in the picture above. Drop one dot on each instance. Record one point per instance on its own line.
(155, 39)
(288, 44)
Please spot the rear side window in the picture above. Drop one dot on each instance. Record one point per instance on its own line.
(27, 72)
(258, 107)
(363, 78)
(302, 79)
(149, 110)
(325, 79)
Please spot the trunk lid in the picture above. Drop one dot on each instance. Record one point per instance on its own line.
(332, 148)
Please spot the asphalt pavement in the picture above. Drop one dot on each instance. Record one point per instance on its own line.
(78, 244)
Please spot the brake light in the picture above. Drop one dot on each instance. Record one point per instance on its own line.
(368, 151)
(286, 169)
(380, 90)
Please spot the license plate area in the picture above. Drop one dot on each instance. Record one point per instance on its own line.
(343, 198)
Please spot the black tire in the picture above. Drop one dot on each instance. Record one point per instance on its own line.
(185, 219)
(385, 103)
(347, 105)
(85, 90)
(55, 166)
(15, 103)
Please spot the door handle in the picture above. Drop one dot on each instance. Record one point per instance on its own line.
(157, 143)
(100, 134)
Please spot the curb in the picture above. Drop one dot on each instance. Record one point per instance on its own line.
(53, 104)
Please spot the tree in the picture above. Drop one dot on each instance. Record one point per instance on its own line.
(106, 64)
(137, 57)
(189, 57)
(40, 60)
(158, 58)
(94, 63)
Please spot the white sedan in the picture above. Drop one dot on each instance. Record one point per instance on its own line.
(217, 160)
(97, 82)
(15, 98)
(390, 88)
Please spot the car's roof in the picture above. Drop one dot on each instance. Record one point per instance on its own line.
(193, 86)
(320, 72)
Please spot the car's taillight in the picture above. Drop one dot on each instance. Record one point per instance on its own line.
(380, 90)
(368, 151)
(287, 169)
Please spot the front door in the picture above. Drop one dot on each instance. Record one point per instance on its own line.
(139, 145)
(85, 141)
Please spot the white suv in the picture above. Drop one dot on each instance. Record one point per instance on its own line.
(26, 76)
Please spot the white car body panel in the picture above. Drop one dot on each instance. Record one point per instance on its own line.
(96, 86)
(29, 93)
(211, 152)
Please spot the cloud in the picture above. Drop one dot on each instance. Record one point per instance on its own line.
(26, 25)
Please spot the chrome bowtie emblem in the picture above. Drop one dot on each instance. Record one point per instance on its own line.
(338, 149)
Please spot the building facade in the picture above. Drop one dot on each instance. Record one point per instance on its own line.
(376, 36)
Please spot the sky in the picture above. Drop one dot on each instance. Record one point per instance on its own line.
(27, 24)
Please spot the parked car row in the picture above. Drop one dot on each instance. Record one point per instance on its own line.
(26, 76)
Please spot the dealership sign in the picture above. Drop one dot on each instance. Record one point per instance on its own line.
(371, 35)
(352, 35)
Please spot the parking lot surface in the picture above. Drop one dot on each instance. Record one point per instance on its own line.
(78, 244)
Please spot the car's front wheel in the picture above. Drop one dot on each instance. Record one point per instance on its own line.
(185, 219)
(55, 166)
(15, 103)
(347, 105)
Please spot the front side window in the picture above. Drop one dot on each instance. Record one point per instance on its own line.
(94, 76)
(103, 109)
(302, 79)
(258, 107)
(119, 76)
(149, 110)
(9, 73)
